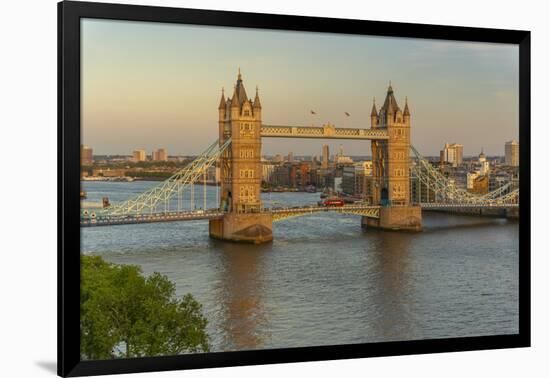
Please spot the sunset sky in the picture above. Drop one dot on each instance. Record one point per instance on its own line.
(151, 85)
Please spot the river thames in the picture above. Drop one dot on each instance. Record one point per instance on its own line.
(324, 280)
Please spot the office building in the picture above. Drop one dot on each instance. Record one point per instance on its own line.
(452, 154)
(511, 153)
(160, 155)
(86, 155)
(324, 162)
(139, 155)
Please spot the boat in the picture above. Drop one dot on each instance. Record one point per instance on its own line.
(311, 189)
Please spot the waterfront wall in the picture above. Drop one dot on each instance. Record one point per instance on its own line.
(396, 218)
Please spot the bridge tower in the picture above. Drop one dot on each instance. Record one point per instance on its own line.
(391, 167)
(240, 119)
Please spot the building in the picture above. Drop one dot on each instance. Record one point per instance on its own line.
(303, 175)
(86, 155)
(481, 185)
(452, 153)
(281, 175)
(290, 157)
(139, 155)
(470, 177)
(326, 155)
(267, 171)
(160, 155)
(357, 179)
(511, 153)
(340, 159)
(337, 184)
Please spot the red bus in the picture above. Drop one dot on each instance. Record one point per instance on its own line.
(333, 202)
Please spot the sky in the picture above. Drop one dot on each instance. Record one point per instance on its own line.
(158, 85)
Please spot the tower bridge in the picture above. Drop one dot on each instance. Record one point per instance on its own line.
(240, 214)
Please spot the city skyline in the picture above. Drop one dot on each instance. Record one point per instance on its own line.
(149, 92)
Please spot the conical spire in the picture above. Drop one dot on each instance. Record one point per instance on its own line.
(390, 105)
(235, 98)
(406, 110)
(257, 103)
(222, 101)
(239, 95)
(373, 112)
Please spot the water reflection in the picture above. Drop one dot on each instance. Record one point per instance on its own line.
(241, 295)
(392, 268)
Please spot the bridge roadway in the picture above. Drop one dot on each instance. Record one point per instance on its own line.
(279, 213)
(174, 216)
(468, 206)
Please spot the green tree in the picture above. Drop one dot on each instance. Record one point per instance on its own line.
(124, 314)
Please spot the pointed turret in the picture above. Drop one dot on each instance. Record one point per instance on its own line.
(406, 110)
(373, 115)
(257, 103)
(222, 101)
(374, 112)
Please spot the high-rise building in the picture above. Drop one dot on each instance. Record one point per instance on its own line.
(324, 163)
(511, 153)
(160, 155)
(139, 155)
(452, 154)
(291, 157)
(86, 155)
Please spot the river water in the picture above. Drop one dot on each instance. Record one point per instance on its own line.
(324, 280)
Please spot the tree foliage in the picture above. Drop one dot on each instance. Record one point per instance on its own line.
(124, 314)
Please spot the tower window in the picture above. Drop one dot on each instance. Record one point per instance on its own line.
(247, 113)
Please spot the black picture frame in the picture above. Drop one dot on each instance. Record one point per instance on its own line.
(69, 15)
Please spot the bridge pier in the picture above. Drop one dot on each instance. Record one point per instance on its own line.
(255, 228)
(396, 218)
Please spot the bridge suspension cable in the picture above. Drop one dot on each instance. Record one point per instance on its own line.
(152, 200)
(446, 191)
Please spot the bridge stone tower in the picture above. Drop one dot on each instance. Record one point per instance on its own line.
(240, 119)
(391, 166)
